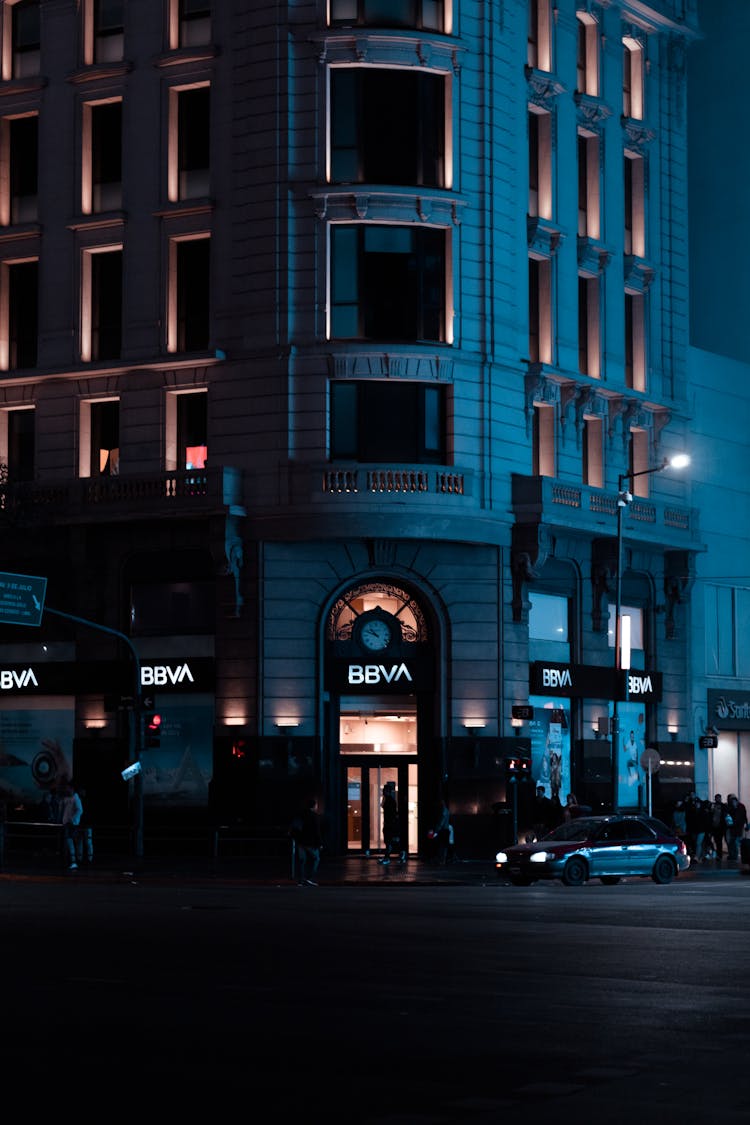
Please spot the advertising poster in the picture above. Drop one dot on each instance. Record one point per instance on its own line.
(177, 772)
(632, 722)
(550, 747)
(36, 749)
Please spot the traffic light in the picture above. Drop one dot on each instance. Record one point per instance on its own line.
(151, 730)
(518, 767)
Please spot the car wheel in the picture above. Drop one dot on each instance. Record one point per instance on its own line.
(521, 881)
(610, 880)
(575, 873)
(664, 870)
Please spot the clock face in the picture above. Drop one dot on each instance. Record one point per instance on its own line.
(375, 635)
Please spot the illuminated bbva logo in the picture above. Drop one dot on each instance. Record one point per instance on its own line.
(640, 685)
(557, 677)
(378, 673)
(154, 675)
(10, 680)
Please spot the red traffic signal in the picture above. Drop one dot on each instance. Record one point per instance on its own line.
(152, 729)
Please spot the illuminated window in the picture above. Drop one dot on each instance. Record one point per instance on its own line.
(108, 19)
(186, 444)
(632, 78)
(19, 313)
(588, 185)
(593, 451)
(21, 39)
(540, 310)
(426, 14)
(636, 627)
(101, 181)
(387, 126)
(189, 23)
(189, 294)
(19, 154)
(539, 53)
(374, 421)
(101, 280)
(17, 443)
(548, 617)
(544, 440)
(589, 327)
(388, 282)
(540, 163)
(638, 457)
(587, 61)
(635, 206)
(99, 445)
(635, 341)
(189, 142)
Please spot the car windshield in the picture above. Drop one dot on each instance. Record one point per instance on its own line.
(579, 829)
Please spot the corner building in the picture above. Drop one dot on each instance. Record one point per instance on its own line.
(331, 334)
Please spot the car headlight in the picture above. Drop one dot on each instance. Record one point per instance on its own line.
(540, 857)
(501, 857)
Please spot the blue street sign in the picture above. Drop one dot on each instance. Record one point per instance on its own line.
(21, 599)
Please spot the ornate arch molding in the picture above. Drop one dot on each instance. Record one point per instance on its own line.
(405, 608)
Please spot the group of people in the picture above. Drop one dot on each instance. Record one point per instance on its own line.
(64, 806)
(706, 826)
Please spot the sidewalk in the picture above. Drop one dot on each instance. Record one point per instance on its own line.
(276, 871)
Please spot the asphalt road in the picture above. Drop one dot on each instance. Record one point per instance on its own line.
(377, 1005)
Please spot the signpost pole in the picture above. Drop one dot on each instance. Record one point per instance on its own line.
(136, 733)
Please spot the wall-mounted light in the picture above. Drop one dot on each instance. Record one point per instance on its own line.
(673, 731)
(95, 724)
(517, 724)
(286, 724)
(473, 726)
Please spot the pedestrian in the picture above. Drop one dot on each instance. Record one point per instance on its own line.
(308, 840)
(737, 815)
(544, 813)
(71, 811)
(572, 808)
(679, 819)
(718, 826)
(443, 834)
(391, 824)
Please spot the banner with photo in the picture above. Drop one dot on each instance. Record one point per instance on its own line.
(550, 746)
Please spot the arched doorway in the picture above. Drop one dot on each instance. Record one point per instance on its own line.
(380, 678)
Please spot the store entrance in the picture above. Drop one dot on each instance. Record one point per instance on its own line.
(378, 743)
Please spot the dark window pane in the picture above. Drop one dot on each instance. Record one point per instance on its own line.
(20, 445)
(106, 156)
(105, 438)
(194, 141)
(106, 305)
(193, 294)
(172, 607)
(387, 422)
(192, 429)
(23, 309)
(24, 168)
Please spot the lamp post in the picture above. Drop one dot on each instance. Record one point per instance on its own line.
(624, 498)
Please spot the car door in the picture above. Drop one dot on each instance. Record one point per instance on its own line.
(609, 850)
(642, 848)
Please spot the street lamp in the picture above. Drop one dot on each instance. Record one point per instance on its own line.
(622, 637)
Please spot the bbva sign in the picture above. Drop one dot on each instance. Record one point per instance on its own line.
(157, 675)
(378, 674)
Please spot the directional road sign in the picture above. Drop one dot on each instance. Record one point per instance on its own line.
(21, 599)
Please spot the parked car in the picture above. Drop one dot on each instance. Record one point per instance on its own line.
(609, 848)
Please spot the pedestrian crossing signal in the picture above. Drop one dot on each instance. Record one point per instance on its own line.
(152, 730)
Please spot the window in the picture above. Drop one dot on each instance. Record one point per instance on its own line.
(593, 451)
(638, 462)
(727, 624)
(539, 53)
(540, 163)
(20, 155)
(388, 283)
(632, 78)
(172, 607)
(22, 33)
(109, 30)
(373, 421)
(20, 310)
(635, 341)
(544, 440)
(186, 430)
(425, 14)
(540, 310)
(190, 23)
(548, 617)
(587, 59)
(588, 185)
(635, 206)
(102, 151)
(189, 143)
(101, 328)
(589, 344)
(387, 126)
(636, 629)
(99, 446)
(189, 294)
(17, 443)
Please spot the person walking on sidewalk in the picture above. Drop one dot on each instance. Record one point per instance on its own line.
(737, 813)
(718, 826)
(308, 840)
(71, 811)
(391, 824)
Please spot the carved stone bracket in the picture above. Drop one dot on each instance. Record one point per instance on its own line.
(679, 576)
(544, 88)
(529, 550)
(235, 559)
